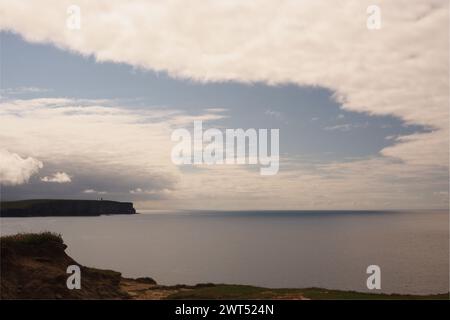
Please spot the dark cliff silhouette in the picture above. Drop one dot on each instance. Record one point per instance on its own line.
(53, 208)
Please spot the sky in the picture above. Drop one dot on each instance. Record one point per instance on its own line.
(363, 114)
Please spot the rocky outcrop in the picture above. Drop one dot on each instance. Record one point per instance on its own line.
(41, 208)
(34, 266)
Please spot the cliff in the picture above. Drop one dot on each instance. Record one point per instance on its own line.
(48, 207)
(34, 266)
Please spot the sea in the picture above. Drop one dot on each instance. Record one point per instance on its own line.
(277, 249)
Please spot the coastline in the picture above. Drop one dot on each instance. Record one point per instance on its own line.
(34, 266)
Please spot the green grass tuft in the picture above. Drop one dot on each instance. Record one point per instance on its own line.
(32, 238)
(242, 292)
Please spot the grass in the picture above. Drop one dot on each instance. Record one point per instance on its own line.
(32, 238)
(242, 292)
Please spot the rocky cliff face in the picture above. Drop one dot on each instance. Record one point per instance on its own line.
(34, 266)
(39, 208)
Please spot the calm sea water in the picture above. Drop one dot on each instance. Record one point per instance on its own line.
(273, 249)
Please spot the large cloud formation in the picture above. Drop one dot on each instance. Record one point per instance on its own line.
(124, 153)
(401, 69)
(107, 147)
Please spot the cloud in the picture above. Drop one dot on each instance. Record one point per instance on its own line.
(401, 69)
(374, 183)
(94, 191)
(272, 113)
(126, 153)
(96, 130)
(340, 127)
(137, 190)
(15, 170)
(216, 110)
(150, 192)
(23, 90)
(110, 147)
(58, 177)
(346, 126)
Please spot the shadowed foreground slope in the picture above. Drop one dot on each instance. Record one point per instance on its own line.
(33, 266)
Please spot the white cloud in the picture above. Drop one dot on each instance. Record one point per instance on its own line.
(94, 191)
(96, 130)
(150, 192)
(137, 190)
(216, 110)
(346, 126)
(400, 70)
(23, 90)
(58, 177)
(16, 170)
(96, 136)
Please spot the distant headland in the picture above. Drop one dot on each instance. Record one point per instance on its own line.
(63, 208)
